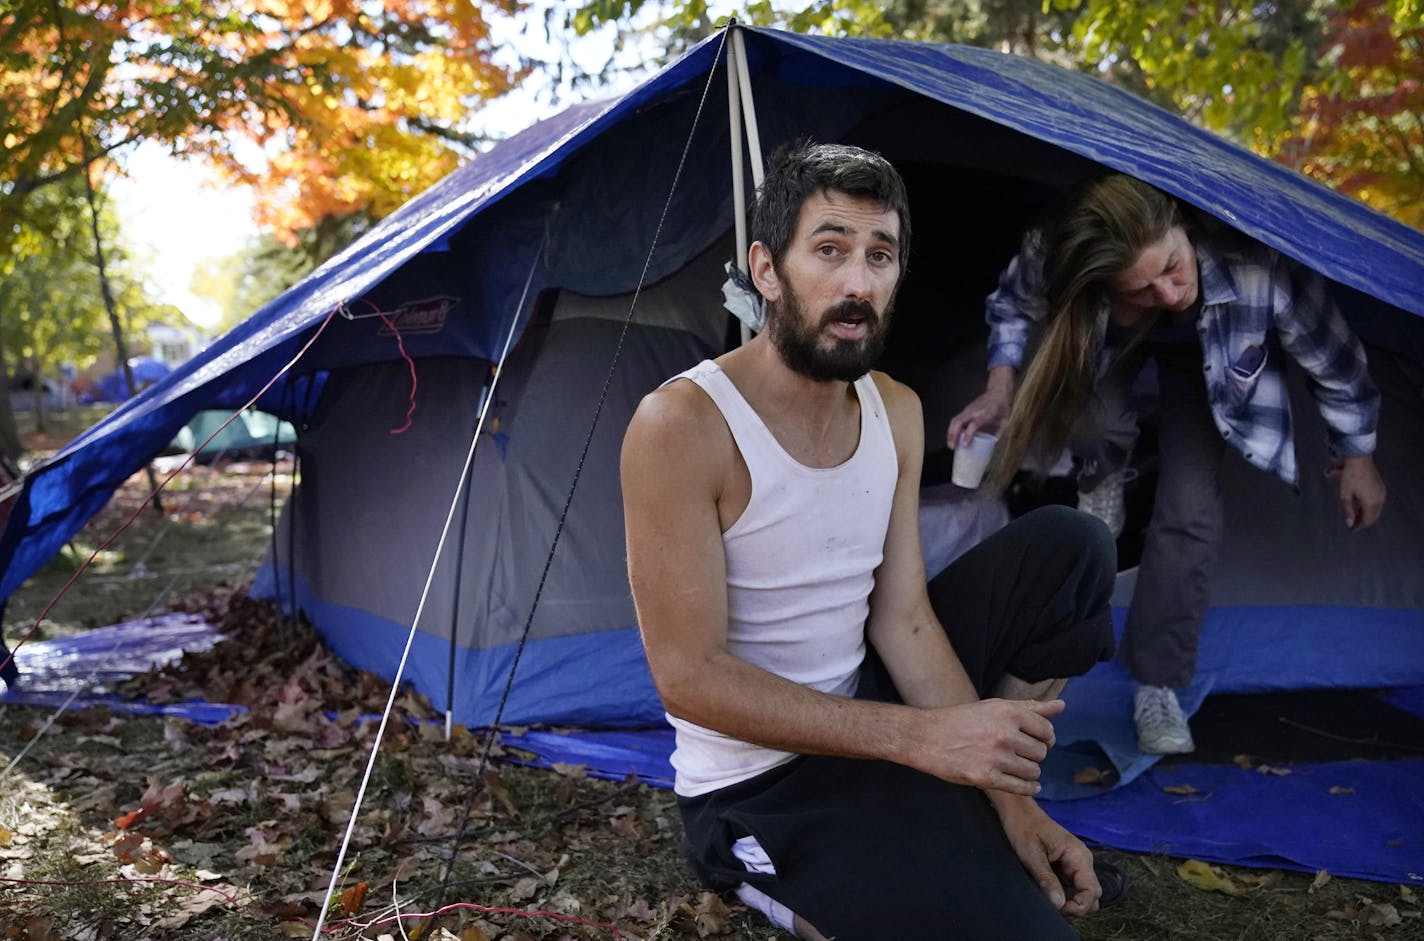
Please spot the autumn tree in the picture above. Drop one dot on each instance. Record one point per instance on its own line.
(326, 108)
(243, 282)
(1361, 122)
(53, 307)
(1333, 89)
(1235, 66)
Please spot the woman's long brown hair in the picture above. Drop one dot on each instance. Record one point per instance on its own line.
(1106, 224)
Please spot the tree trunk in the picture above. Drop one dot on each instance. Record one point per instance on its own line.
(9, 431)
(37, 377)
(10, 447)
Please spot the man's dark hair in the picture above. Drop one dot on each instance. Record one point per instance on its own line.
(801, 169)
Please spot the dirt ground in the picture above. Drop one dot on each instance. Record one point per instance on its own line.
(115, 826)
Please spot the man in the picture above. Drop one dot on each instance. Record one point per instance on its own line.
(850, 791)
(1122, 275)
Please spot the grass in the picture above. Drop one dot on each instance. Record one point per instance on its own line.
(257, 807)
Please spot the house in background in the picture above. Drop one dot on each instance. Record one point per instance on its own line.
(172, 345)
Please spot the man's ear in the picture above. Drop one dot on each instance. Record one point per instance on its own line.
(763, 272)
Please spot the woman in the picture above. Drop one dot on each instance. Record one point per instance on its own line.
(1121, 277)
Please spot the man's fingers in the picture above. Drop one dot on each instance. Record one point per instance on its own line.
(1036, 720)
(1009, 784)
(1022, 769)
(1042, 872)
(1075, 865)
(1048, 708)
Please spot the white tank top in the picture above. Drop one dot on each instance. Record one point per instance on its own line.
(801, 561)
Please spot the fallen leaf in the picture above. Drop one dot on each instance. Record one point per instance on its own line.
(525, 889)
(711, 915)
(1322, 878)
(495, 785)
(41, 928)
(191, 907)
(569, 770)
(1272, 769)
(354, 898)
(1179, 789)
(1206, 877)
(1242, 761)
(639, 910)
(1093, 776)
(1382, 915)
(1406, 895)
(473, 933)
(151, 863)
(1338, 789)
(127, 845)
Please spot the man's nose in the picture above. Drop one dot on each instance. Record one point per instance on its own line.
(1167, 293)
(856, 279)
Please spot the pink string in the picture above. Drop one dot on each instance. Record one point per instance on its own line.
(558, 916)
(231, 899)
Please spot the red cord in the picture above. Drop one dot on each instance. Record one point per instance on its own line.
(231, 899)
(414, 382)
(559, 916)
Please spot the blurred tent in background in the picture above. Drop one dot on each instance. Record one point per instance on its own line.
(252, 433)
(114, 386)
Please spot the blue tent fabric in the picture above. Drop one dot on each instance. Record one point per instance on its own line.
(1344, 240)
(114, 387)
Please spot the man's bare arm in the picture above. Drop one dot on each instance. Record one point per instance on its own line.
(677, 456)
(928, 673)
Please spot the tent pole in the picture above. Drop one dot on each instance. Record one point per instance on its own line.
(744, 78)
(469, 484)
(739, 184)
(467, 480)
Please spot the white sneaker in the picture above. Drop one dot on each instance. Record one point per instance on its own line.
(1161, 727)
(1106, 500)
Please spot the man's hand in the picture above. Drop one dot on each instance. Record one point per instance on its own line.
(1055, 859)
(1362, 491)
(993, 744)
(987, 412)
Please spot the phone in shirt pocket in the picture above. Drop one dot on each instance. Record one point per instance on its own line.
(1248, 364)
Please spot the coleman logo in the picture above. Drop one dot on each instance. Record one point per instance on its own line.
(422, 316)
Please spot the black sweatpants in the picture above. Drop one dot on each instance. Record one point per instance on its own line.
(869, 850)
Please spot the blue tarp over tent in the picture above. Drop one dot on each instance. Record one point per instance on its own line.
(1341, 238)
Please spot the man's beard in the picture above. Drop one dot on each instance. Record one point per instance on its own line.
(800, 344)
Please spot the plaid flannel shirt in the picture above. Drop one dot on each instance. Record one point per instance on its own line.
(1256, 305)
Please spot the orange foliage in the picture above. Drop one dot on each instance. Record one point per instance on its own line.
(1361, 126)
(352, 106)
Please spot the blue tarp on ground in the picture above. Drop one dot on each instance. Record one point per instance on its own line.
(1362, 819)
